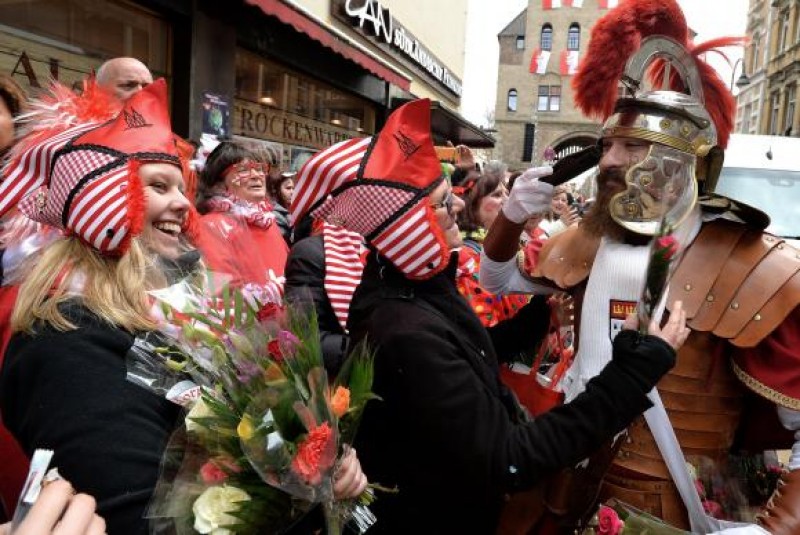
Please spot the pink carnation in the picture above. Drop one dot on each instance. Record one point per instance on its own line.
(712, 508)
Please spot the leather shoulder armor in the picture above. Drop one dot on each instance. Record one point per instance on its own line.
(566, 259)
(736, 282)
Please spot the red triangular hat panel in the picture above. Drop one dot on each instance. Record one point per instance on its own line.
(143, 125)
(403, 151)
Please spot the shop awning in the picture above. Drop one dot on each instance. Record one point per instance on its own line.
(303, 23)
(449, 126)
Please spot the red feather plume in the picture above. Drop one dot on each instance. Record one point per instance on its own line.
(618, 35)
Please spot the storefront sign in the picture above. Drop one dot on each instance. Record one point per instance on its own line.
(374, 21)
(32, 64)
(264, 122)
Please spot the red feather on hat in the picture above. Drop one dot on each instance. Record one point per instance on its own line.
(618, 35)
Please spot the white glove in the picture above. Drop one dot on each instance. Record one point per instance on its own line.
(529, 197)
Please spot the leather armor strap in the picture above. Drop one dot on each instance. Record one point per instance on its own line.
(659, 498)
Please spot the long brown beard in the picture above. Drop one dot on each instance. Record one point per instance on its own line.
(598, 221)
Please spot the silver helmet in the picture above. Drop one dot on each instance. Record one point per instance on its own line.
(683, 140)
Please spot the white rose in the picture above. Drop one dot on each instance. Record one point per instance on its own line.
(199, 410)
(212, 507)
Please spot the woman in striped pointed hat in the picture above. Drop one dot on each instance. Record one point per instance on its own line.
(111, 182)
(446, 432)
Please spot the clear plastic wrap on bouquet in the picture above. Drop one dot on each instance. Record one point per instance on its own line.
(267, 419)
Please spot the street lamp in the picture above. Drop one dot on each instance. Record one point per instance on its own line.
(743, 80)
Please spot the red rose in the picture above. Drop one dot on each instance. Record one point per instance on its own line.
(608, 522)
(217, 469)
(668, 246)
(312, 455)
(274, 349)
(211, 474)
(267, 312)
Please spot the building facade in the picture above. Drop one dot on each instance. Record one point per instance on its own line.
(539, 53)
(768, 105)
(289, 77)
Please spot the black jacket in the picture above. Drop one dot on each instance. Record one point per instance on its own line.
(305, 278)
(68, 391)
(444, 432)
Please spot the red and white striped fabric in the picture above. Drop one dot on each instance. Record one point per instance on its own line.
(539, 61)
(553, 4)
(82, 178)
(413, 244)
(387, 200)
(608, 4)
(569, 62)
(324, 172)
(344, 264)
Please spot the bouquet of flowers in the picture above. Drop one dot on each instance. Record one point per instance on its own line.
(265, 413)
(664, 253)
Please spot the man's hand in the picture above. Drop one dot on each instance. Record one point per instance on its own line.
(59, 510)
(529, 196)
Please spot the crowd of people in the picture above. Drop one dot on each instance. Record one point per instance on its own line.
(471, 282)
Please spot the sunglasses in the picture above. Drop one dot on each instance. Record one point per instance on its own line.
(446, 202)
(243, 169)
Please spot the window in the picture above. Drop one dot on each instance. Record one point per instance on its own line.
(791, 104)
(546, 40)
(512, 100)
(549, 98)
(756, 61)
(775, 106)
(520, 42)
(527, 142)
(784, 33)
(574, 37)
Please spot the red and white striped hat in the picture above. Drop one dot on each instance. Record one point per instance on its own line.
(378, 187)
(80, 174)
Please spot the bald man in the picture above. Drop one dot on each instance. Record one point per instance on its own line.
(124, 76)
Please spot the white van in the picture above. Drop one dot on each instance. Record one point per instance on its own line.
(764, 172)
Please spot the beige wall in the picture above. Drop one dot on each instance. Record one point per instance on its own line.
(440, 26)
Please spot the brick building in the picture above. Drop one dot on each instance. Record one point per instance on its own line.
(539, 51)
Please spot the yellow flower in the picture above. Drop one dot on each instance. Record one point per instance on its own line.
(340, 401)
(211, 509)
(245, 429)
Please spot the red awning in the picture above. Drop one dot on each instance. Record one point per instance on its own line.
(300, 22)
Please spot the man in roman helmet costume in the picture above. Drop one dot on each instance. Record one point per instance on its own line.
(662, 151)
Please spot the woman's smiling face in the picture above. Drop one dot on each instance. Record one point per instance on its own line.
(166, 208)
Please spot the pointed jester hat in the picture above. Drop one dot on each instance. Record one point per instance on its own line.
(378, 187)
(77, 169)
(673, 99)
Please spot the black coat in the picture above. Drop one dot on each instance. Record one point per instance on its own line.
(305, 279)
(445, 432)
(68, 391)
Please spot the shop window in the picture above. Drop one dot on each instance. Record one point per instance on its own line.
(574, 37)
(520, 42)
(549, 98)
(512, 100)
(546, 39)
(279, 88)
(70, 38)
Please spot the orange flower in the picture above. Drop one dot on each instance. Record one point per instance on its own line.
(340, 401)
(309, 459)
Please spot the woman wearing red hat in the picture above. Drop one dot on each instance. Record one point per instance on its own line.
(446, 432)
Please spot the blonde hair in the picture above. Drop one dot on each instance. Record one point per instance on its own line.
(114, 289)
